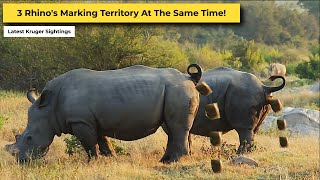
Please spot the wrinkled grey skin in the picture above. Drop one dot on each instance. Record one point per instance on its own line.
(277, 69)
(242, 102)
(125, 104)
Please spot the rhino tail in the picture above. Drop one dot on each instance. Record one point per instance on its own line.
(195, 76)
(269, 89)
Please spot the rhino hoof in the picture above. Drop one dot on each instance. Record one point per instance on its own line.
(283, 141)
(212, 111)
(281, 123)
(215, 138)
(275, 105)
(216, 165)
(204, 89)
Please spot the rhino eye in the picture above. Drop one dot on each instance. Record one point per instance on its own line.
(29, 138)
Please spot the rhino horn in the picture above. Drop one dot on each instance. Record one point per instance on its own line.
(212, 111)
(31, 95)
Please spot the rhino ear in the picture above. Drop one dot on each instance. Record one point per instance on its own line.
(45, 98)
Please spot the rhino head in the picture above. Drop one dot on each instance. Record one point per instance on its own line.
(33, 143)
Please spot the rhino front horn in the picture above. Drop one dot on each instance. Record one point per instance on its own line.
(275, 104)
(204, 89)
(212, 111)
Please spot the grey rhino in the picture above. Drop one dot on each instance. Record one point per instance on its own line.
(125, 104)
(243, 102)
(277, 69)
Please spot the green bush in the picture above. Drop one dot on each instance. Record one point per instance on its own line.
(118, 149)
(73, 145)
(291, 69)
(308, 69)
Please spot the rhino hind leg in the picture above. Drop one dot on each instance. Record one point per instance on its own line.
(177, 147)
(87, 136)
(246, 140)
(165, 129)
(105, 146)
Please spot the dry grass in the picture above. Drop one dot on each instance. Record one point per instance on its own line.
(299, 161)
(302, 98)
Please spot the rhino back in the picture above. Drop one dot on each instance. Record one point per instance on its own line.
(117, 100)
(230, 89)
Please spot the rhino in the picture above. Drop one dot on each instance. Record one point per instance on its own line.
(277, 69)
(126, 104)
(243, 104)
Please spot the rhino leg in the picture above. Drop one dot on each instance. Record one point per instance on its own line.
(165, 129)
(87, 136)
(105, 146)
(179, 116)
(177, 146)
(246, 140)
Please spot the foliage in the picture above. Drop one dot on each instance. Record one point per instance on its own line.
(290, 69)
(207, 57)
(274, 33)
(275, 24)
(119, 149)
(313, 7)
(250, 57)
(73, 145)
(309, 69)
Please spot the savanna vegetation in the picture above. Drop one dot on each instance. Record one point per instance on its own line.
(270, 31)
(283, 32)
(140, 159)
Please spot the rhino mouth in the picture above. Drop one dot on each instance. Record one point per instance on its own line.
(23, 158)
(32, 156)
(13, 151)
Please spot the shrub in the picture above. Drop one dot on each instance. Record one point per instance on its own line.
(73, 145)
(308, 69)
(118, 149)
(291, 69)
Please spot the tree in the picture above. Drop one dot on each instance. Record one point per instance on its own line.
(313, 7)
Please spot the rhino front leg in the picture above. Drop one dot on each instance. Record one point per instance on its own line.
(105, 146)
(246, 140)
(87, 136)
